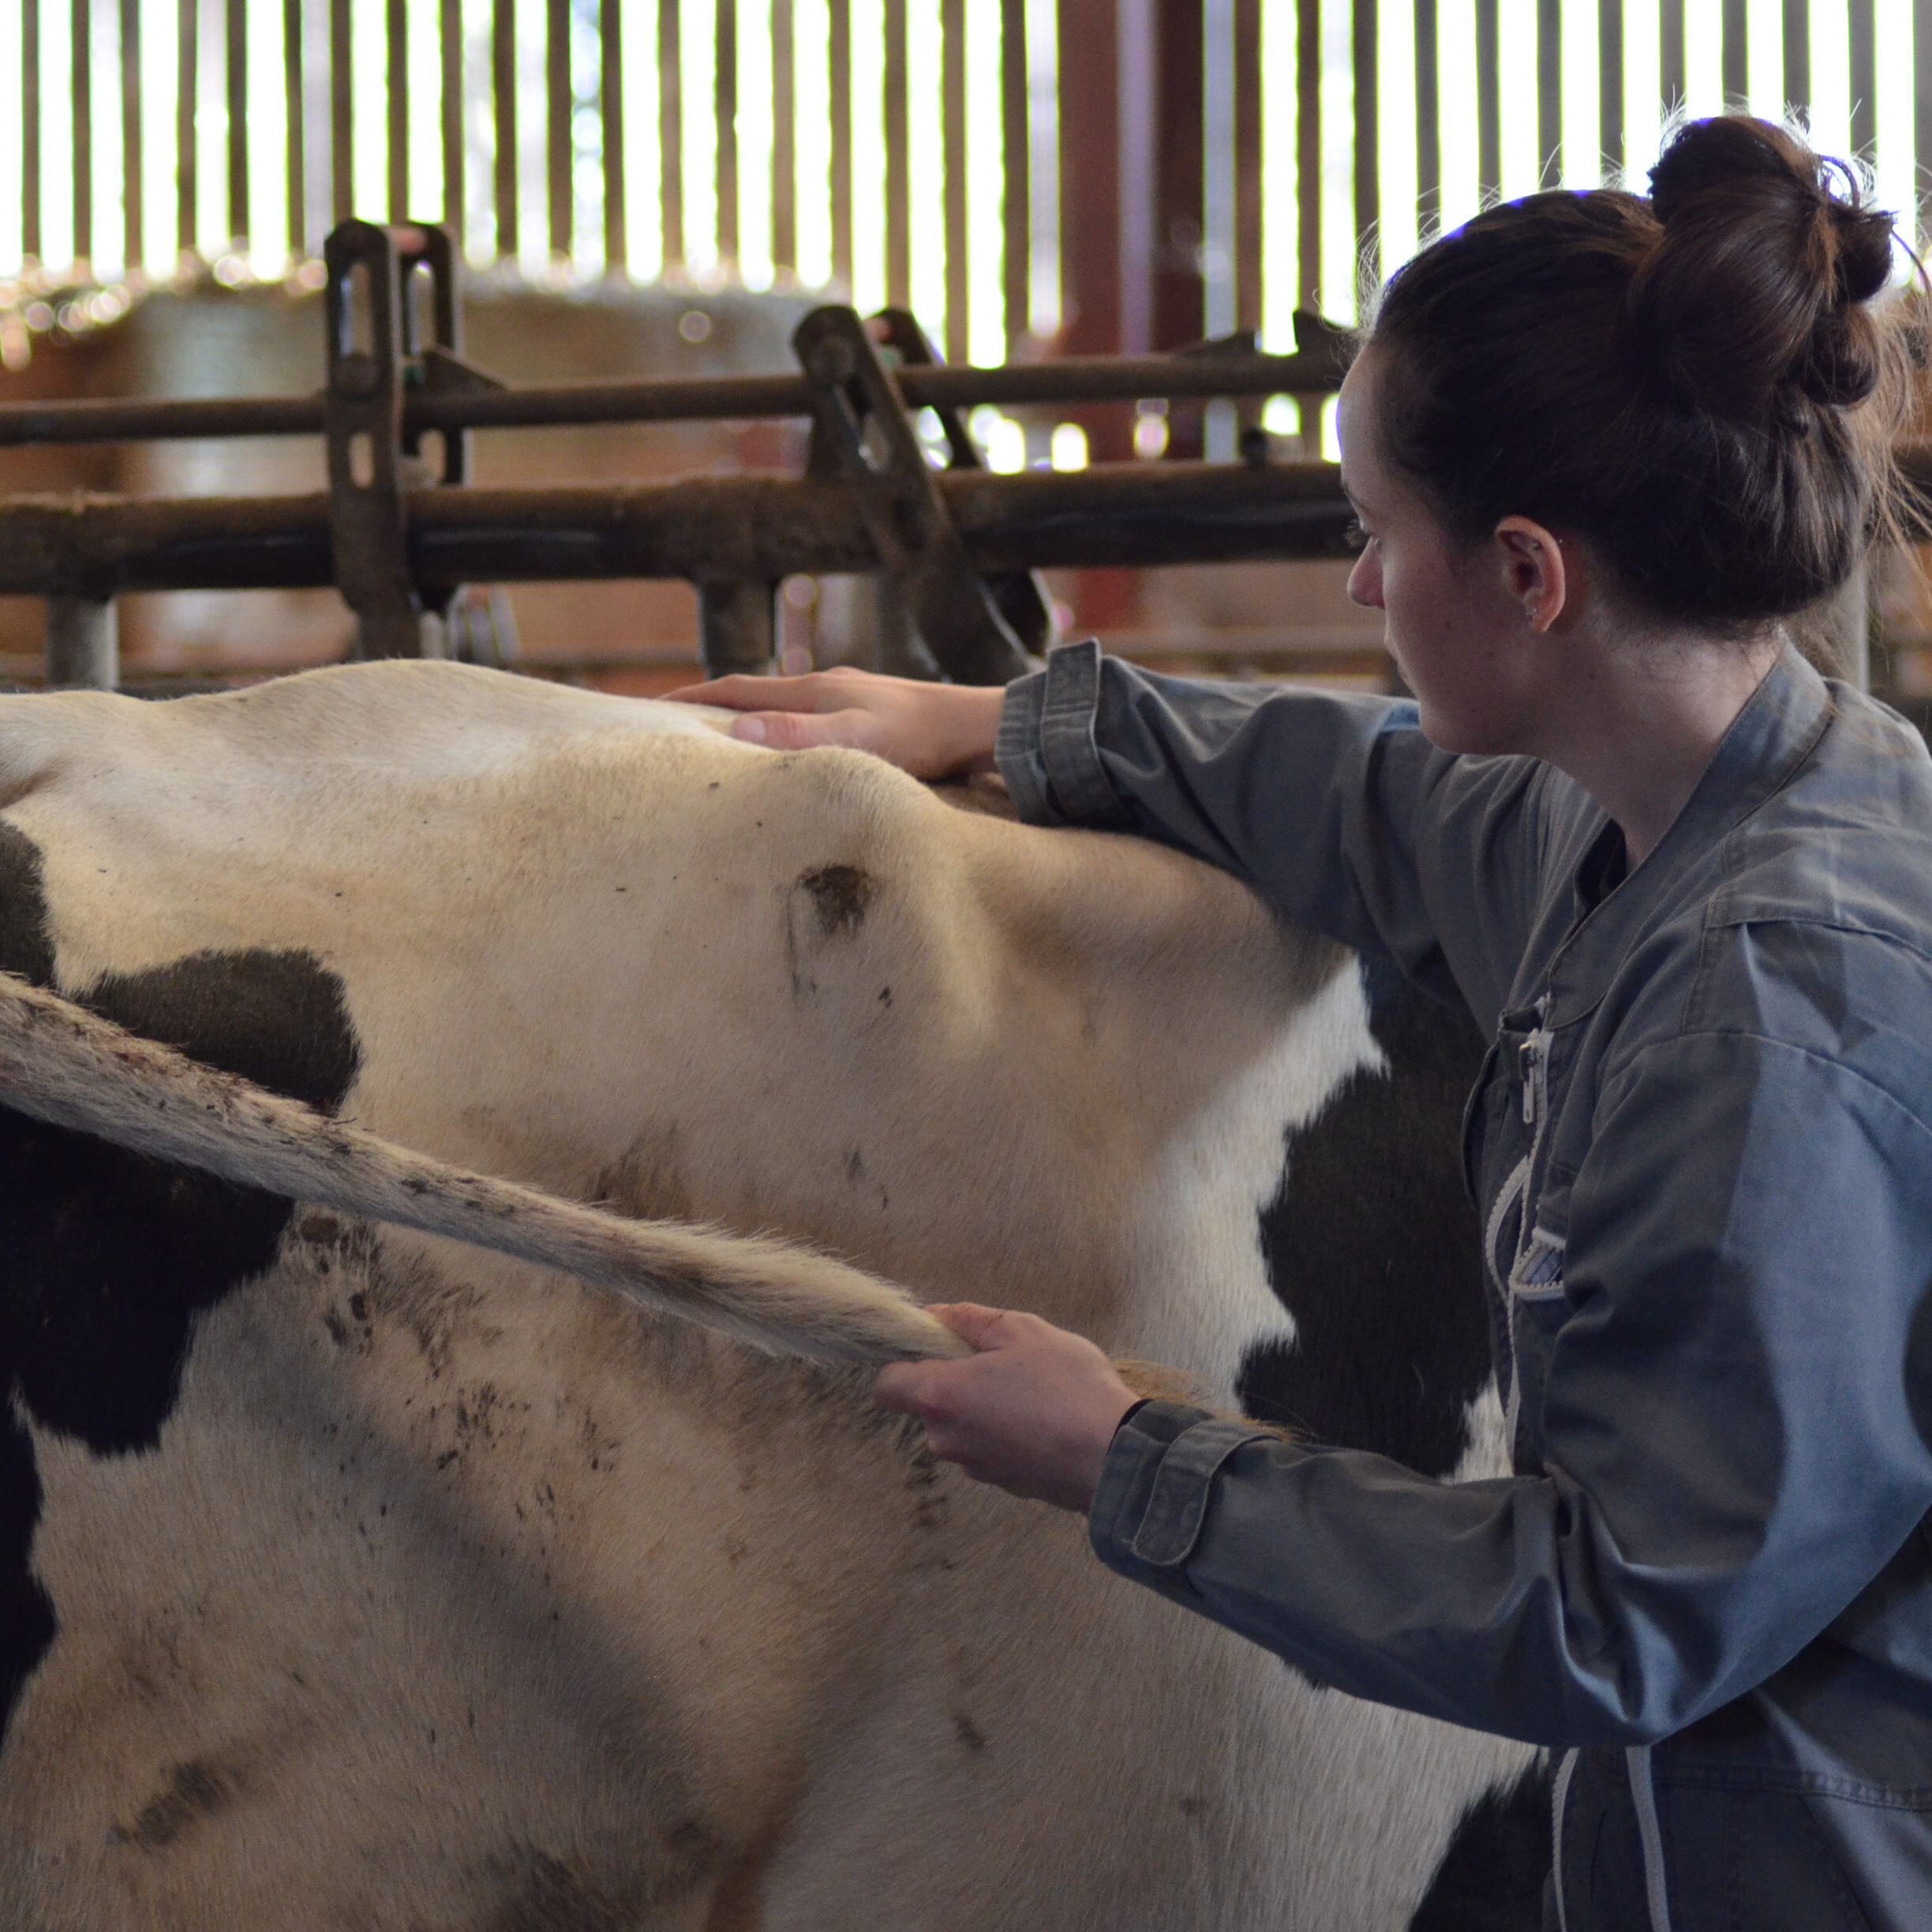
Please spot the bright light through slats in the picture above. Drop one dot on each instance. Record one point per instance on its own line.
(1455, 42)
(1643, 107)
(426, 197)
(1336, 295)
(1704, 58)
(108, 250)
(157, 101)
(643, 166)
(868, 153)
(1831, 80)
(811, 65)
(1280, 233)
(925, 168)
(1395, 116)
(1582, 162)
(369, 64)
(268, 140)
(56, 232)
(986, 235)
(1516, 101)
(1764, 57)
(12, 242)
(1042, 39)
(754, 143)
(533, 135)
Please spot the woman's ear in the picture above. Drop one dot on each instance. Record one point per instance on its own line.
(1536, 575)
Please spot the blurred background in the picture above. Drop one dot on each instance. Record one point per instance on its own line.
(663, 187)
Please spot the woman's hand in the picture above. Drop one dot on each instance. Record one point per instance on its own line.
(1033, 1412)
(932, 731)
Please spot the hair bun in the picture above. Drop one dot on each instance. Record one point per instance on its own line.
(1752, 296)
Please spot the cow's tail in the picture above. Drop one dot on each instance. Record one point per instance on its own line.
(65, 1066)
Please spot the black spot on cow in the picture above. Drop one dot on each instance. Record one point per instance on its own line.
(189, 1792)
(1374, 1247)
(971, 1737)
(840, 895)
(1491, 1879)
(106, 1256)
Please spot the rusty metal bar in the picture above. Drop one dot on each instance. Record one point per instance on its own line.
(503, 106)
(952, 151)
(559, 147)
(235, 81)
(670, 132)
(342, 118)
(898, 163)
(1016, 178)
(81, 49)
(396, 25)
(839, 62)
(295, 154)
(611, 106)
(701, 528)
(82, 645)
(188, 64)
(784, 139)
(725, 121)
(1096, 379)
(132, 247)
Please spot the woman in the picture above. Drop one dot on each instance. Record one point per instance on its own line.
(1602, 449)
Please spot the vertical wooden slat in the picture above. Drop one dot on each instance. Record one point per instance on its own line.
(559, 147)
(1016, 176)
(133, 211)
(898, 186)
(838, 54)
(32, 241)
(724, 96)
(953, 148)
(82, 47)
(671, 131)
(342, 118)
(1163, 85)
(610, 97)
(1308, 150)
(397, 123)
(1549, 92)
(1368, 142)
(1489, 99)
(1248, 108)
(1610, 83)
(1735, 54)
(784, 139)
(1673, 72)
(1864, 76)
(241, 217)
(296, 157)
(503, 105)
(455, 185)
(187, 84)
(1798, 53)
(1922, 108)
(1428, 119)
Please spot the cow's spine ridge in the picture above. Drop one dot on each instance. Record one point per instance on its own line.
(64, 1064)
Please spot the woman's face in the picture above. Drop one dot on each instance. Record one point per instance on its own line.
(1453, 614)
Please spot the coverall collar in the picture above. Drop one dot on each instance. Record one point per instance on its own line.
(1775, 731)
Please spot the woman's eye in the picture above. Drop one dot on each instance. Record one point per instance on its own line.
(1354, 536)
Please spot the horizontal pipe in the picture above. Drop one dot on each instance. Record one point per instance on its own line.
(712, 528)
(1090, 379)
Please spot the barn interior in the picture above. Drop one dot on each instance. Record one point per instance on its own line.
(623, 193)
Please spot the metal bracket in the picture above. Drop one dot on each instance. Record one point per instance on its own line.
(863, 432)
(375, 352)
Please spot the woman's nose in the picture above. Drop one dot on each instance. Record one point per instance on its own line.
(1365, 584)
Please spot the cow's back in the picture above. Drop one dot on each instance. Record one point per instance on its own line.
(391, 1585)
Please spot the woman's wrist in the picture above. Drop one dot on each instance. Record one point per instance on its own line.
(975, 726)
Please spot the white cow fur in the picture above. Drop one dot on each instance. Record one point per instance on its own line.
(529, 1609)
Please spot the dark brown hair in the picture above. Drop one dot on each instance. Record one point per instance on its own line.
(1696, 382)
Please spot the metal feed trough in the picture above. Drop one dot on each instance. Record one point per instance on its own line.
(960, 543)
(398, 539)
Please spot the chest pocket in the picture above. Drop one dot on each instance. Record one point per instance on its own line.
(1537, 1306)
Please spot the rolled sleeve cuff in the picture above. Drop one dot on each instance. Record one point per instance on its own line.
(1156, 1487)
(1045, 749)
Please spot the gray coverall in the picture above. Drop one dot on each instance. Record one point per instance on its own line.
(1702, 1143)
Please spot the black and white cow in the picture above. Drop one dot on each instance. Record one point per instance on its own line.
(349, 1576)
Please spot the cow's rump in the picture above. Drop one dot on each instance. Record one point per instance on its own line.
(349, 1578)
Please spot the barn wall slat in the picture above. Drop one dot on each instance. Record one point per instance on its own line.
(724, 121)
(784, 139)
